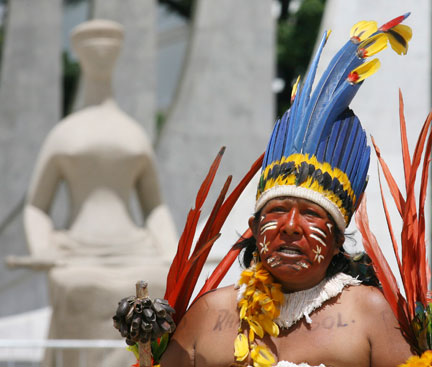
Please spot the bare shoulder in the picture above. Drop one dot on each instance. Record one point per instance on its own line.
(366, 297)
(211, 302)
(219, 296)
(370, 306)
(388, 346)
(205, 314)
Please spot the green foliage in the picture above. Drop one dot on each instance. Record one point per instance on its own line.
(71, 74)
(158, 347)
(135, 350)
(181, 7)
(160, 121)
(74, 2)
(296, 36)
(422, 326)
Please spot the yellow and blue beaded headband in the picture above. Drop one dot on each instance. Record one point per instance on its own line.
(318, 149)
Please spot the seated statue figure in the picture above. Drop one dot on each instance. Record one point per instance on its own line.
(103, 156)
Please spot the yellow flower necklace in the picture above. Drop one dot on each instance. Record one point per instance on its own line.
(259, 306)
(425, 360)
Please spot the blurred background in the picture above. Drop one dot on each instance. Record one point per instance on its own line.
(196, 75)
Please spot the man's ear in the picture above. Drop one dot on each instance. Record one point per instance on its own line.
(253, 225)
(340, 239)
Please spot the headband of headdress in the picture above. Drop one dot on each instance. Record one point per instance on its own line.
(318, 149)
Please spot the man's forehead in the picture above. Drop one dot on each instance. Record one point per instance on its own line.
(291, 199)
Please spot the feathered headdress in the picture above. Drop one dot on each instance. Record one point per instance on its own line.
(318, 149)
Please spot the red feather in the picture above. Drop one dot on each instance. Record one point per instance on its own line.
(404, 140)
(388, 281)
(219, 272)
(189, 277)
(394, 189)
(393, 23)
(413, 268)
(390, 227)
(187, 266)
(185, 242)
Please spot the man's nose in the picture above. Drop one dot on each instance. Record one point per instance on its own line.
(292, 224)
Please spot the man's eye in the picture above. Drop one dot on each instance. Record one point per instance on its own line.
(312, 213)
(278, 209)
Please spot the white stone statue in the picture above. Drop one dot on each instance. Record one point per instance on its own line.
(103, 156)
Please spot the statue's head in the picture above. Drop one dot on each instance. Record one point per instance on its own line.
(97, 44)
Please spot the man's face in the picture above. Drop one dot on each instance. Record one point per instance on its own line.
(296, 241)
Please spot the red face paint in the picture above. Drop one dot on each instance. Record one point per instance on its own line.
(296, 242)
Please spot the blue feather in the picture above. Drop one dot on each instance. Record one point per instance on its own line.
(355, 127)
(288, 134)
(332, 142)
(329, 80)
(269, 151)
(289, 149)
(280, 138)
(340, 101)
(333, 74)
(305, 95)
(353, 166)
(327, 85)
(361, 173)
(320, 152)
(340, 142)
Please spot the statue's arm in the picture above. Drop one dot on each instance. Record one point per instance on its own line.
(158, 217)
(38, 225)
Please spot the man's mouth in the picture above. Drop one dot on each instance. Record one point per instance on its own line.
(289, 251)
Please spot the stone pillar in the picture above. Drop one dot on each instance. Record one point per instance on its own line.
(376, 103)
(224, 99)
(135, 77)
(29, 108)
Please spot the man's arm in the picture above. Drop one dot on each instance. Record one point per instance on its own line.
(206, 333)
(388, 346)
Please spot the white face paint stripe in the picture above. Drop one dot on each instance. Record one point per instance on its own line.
(315, 237)
(273, 261)
(303, 265)
(321, 232)
(329, 226)
(268, 226)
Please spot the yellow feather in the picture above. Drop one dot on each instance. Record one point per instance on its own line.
(243, 310)
(256, 327)
(405, 32)
(294, 88)
(373, 45)
(241, 347)
(269, 326)
(363, 29)
(262, 355)
(365, 70)
(251, 335)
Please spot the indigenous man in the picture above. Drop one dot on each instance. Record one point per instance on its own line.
(343, 323)
(297, 303)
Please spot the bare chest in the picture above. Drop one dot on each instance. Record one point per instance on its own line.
(333, 339)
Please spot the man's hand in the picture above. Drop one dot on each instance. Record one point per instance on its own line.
(140, 319)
